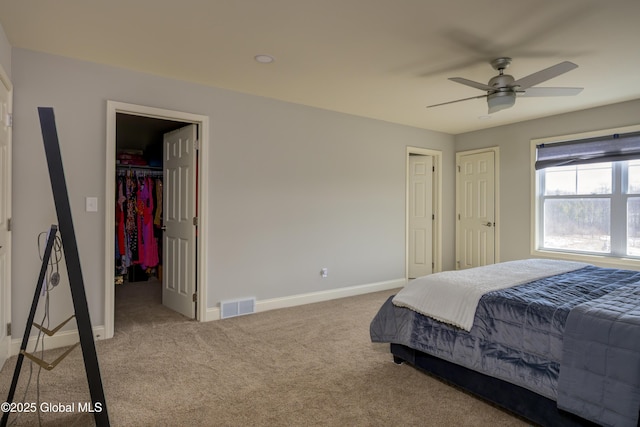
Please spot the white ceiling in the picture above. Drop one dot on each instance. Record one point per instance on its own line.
(384, 59)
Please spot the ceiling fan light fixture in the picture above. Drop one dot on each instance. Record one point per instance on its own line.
(501, 101)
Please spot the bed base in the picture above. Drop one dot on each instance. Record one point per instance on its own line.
(515, 399)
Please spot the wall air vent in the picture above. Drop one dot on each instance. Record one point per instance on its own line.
(237, 307)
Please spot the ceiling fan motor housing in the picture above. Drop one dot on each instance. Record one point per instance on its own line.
(502, 82)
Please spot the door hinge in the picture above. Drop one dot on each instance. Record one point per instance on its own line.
(8, 224)
(459, 169)
(458, 217)
(196, 144)
(433, 217)
(8, 329)
(8, 120)
(195, 221)
(433, 169)
(195, 297)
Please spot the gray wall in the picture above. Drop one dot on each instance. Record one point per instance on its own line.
(5, 52)
(515, 162)
(292, 188)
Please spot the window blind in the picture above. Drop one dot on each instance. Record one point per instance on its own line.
(609, 148)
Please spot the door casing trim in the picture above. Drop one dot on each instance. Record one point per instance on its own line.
(437, 206)
(114, 107)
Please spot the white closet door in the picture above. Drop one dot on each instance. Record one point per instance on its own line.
(420, 216)
(179, 239)
(476, 214)
(5, 215)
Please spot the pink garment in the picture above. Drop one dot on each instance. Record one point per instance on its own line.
(147, 244)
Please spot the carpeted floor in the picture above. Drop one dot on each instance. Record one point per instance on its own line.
(311, 365)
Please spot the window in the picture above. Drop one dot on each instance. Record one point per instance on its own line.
(588, 199)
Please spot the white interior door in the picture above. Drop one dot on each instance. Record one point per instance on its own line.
(476, 210)
(420, 216)
(179, 211)
(5, 215)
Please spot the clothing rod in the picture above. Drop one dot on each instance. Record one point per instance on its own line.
(142, 174)
(139, 167)
(148, 171)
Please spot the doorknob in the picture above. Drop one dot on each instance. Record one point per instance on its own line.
(488, 224)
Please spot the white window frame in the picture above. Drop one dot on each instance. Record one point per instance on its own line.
(603, 260)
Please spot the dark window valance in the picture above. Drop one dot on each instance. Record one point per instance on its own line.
(611, 148)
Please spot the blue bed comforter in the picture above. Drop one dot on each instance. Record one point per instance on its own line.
(517, 334)
(600, 370)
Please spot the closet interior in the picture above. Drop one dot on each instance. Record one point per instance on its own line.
(139, 193)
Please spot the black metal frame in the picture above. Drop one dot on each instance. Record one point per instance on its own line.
(25, 339)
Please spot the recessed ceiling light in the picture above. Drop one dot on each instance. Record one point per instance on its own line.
(264, 59)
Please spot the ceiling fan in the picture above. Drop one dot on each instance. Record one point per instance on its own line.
(502, 89)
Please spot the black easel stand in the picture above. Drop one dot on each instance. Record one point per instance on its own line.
(76, 282)
(25, 339)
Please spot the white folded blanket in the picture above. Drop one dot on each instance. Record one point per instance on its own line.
(452, 296)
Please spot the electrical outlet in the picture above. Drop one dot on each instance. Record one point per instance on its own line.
(324, 272)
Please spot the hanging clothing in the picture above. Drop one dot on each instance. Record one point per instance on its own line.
(136, 214)
(157, 221)
(132, 218)
(120, 218)
(147, 244)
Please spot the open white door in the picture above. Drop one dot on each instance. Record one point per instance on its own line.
(5, 215)
(179, 211)
(476, 210)
(420, 216)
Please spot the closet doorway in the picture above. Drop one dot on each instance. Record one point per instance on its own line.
(153, 170)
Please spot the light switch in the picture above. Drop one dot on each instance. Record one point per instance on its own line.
(91, 204)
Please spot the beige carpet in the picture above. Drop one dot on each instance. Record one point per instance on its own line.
(311, 365)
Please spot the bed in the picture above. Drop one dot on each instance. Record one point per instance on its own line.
(553, 341)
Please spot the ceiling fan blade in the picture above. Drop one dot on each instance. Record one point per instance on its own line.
(550, 91)
(544, 75)
(457, 100)
(471, 83)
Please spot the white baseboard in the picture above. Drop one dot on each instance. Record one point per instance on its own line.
(61, 339)
(300, 299)
(67, 338)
